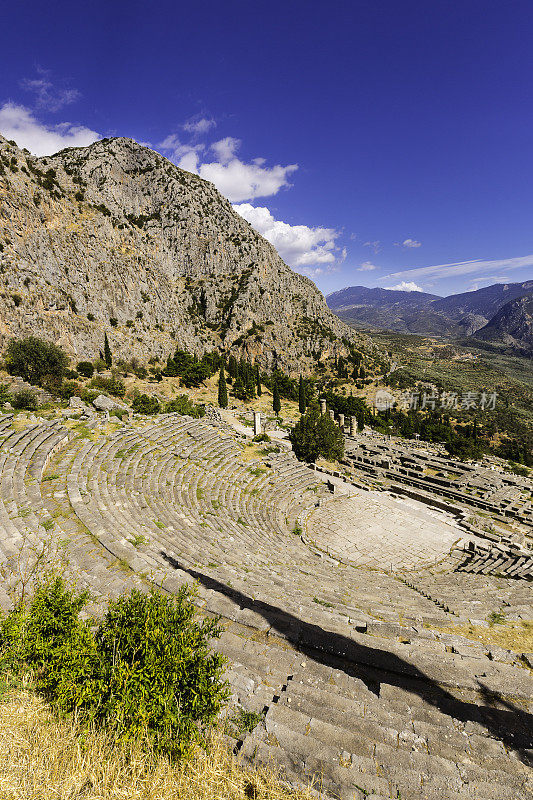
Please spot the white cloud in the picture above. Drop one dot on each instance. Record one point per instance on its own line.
(237, 180)
(298, 245)
(366, 266)
(405, 286)
(458, 268)
(186, 155)
(408, 243)
(19, 123)
(316, 272)
(376, 246)
(225, 149)
(48, 96)
(199, 125)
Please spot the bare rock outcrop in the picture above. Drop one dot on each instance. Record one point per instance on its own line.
(114, 237)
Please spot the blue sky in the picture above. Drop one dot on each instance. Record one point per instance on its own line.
(377, 143)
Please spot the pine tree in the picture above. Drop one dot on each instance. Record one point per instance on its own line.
(276, 404)
(108, 358)
(258, 381)
(362, 373)
(301, 396)
(355, 373)
(222, 389)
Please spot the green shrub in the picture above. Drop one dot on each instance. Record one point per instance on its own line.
(182, 405)
(26, 399)
(88, 395)
(5, 394)
(144, 404)
(146, 672)
(35, 360)
(86, 369)
(111, 385)
(316, 435)
(99, 364)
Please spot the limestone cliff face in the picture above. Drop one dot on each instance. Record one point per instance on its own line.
(116, 231)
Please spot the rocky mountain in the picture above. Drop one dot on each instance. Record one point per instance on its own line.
(362, 296)
(512, 326)
(389, 309)
(114, 237)
(421, 313)
(484, 302)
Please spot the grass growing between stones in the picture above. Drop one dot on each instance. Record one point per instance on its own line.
(46, 758)
(511, 635)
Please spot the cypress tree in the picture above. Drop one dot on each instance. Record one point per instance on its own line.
(301, 396)
(108, 358)
(276, 404)
(258, 381)
(222, 389)
(232, 367)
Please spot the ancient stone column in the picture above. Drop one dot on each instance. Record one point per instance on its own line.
(353, 426)
(322, 405)
(341, 421)
(257, 423)
(332, 414)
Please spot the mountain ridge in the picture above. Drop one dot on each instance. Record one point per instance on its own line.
(114, 237)
(455, 316)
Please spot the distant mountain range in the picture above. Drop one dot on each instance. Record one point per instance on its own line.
(494, 313)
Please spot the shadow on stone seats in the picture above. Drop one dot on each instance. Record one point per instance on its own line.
(511, 725)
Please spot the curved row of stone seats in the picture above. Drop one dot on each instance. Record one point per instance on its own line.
(21, 525)
(5, 423)
(363, 733)
(141, 499)
(370, 714)
(475, 596)
(26, 523)
(498, 559)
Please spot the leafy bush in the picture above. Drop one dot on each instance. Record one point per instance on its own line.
(5, 394)
(88, 395)
(144, 404)
(100, 365)
(86, 369)
(316, 435)
(69, 389)
(147, 671)
(26, 399)
(111, 385)
(182, 405)
(35, 360)
(192, 371)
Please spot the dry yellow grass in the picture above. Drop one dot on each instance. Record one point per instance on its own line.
(42, 758)
(515, 636)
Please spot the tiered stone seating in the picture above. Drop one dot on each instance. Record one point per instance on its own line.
(352, 686)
